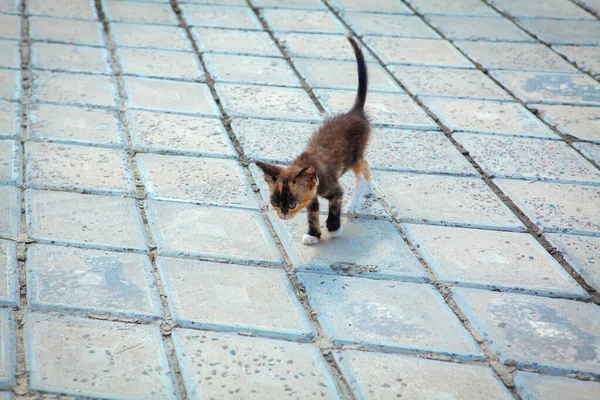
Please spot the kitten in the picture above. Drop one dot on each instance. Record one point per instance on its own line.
(337, 146)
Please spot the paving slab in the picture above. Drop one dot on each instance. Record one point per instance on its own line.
(73, 89)
(551, 88)
(75, 125)
(144, 13)
(515, 56)
(302, 21)
(91, 358)
(7, 349)
(150, 36)
(10, 54)
(268, 102)
(211, 233)
(506, 261)
(250, 69)
(250, 367)
(553, 335)
(445, 200)
(91, 281)
(410, 51)
(10, 84)
(549, 9)
(10, 162)
(214, 2)
(491, 29)
(162, 95)
(10, 26)
(581, 32)
(208, 181)
(391, 109)
(9, 119)
(316, 45)
(463, 7)
(160, 64)
(10, 7)
(70, 58)
(10, 211)
(590, 150)
(387, 315)
(383, 6)
(93, 169)
(108, 222)
(366, 248)
(582, 253)
(220, 17)
(387, 376)
(9, 281)
(587, 58)
(302, 4)
(80, 9)
(446, 82)
(6, 395)
(590, 5)
(508, 119)
(530, 159)
(182, 134)
(235, 298)
(578, 121)
(538, 387)
(556, 207)
(232, 41)
(66, 31)
(388, 25)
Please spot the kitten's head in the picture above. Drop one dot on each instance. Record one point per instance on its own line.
(291, 188)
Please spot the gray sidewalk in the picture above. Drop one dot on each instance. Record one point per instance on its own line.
(139, 258)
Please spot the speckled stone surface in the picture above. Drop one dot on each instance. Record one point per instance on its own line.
(250, 69)
(150, 36)
(510, 119)
(127, 11)
(81, 9)
(10, 210)
(9, 118)
(302, 21)
(342, 75)
(77, 89)
(216, 16)
(230, 297)
(10, 26)
(10, 54)
(444, 82)
(83, 357)
(551, 88)
(235, 42)
(207, 181)
(429, 52)
(163, 95)
(581, 122)
(302, 4)
(490, 29)
(174, 133)
(590, 150)
(66, 57)
(366, 248)
(385, 315)
(386, 376)
(538, 387)
(268, 102)
(393, 109)
(531, 159)
(388, 25)
(91, 281)
(563, 32)
(386, 6)
(518, 56)
(463, 7)
(160, 64)
(582, 253)
(586, 58)
(10, 87)
(210, 235)
(317, 45)
(554, 335)
(10, 162)
(9, 281)
(66, 31)
(109, 222)
(547, 9)
(445, 200)
(492, 260)
(250, 367)
(10, 7)
(556, 207)
(7, 348)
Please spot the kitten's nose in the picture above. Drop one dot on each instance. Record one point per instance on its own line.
(281, 215)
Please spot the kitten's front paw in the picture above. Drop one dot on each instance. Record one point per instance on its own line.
(337, 233)
(308, 239)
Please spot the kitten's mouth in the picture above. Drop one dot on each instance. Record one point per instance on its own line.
(285, 217)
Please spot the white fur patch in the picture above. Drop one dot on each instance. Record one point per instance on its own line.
(361, 189)
(337, 233)
(308, 239)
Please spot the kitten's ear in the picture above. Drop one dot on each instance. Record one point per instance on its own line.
(271, 171)
(306, 176)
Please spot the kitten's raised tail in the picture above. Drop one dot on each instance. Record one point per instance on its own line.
(363, 81)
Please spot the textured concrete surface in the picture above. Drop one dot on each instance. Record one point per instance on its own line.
(140, 257)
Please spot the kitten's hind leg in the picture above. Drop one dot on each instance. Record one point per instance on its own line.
(314, 228)
(333, 223)
(364, 185)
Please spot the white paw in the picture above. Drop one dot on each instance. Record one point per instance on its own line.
(370, 188)
(337, 233)
(351, 208)
(307, 239)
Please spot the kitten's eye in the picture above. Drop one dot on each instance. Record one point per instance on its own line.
(292, 205)
(273, 203)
